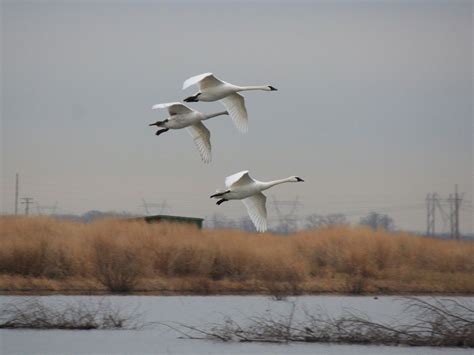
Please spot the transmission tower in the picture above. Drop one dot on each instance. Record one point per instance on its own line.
(431, 201)
(444, 215)
(454, 207)
(162, 207)
(288, 220)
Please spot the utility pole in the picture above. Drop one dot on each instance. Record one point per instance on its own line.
(16, 193)
(457, 205)
(27, 201)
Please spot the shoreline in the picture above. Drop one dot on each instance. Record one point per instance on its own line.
(66, 292)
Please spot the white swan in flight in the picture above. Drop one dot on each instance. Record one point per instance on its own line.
(241, 186)
(182, 116)
(213, 89)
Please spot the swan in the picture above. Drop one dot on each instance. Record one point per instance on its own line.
(213, 89)
(241, 186)
(182, 116)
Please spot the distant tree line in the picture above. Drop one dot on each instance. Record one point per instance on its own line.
(94, 215)
(373, 220)
(376, 220)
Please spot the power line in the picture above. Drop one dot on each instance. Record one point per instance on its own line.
(27, 201)
(394, 208)
(444, 215)
(162, 207)
(41, 209)
(433, 202)
(287, 221)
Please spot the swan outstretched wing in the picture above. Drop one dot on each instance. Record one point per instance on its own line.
(203, 80)
(202, 139)
(257, 210)
(235, 105)
(174, 108)
(239, 179)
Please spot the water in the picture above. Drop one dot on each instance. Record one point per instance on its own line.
(200, 311)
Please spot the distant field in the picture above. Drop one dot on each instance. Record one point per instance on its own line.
(41, 254)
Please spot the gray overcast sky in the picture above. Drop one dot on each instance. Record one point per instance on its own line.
(374, 107)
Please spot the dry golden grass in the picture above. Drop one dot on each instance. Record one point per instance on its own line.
(41, 254)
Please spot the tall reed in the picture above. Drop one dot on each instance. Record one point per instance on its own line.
(132, 255)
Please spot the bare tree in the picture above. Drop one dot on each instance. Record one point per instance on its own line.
(321, 221)
(376, 220)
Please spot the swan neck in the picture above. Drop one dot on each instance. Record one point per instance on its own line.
(210, 115)
(268, 184)
(258, 87)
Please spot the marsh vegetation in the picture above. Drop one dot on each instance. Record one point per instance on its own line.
(32, 313)
(434, 322)
(41, 254)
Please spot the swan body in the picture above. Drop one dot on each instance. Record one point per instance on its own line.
(213, 89)
(182, 116)
(241, 186)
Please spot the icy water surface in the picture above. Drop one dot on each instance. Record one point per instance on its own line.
(200, 311)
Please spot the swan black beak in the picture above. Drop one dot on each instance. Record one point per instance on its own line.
(193, 98)
(159, 123)
(299, 179)
(272, 88)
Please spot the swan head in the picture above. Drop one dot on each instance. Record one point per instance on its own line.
(271, 88)
(296, 179)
